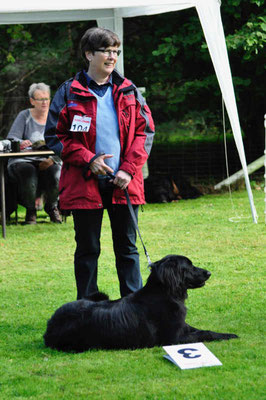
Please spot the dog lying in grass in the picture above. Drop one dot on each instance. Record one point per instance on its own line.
(165, 188)
(152, 316)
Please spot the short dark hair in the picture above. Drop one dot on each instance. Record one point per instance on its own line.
(95, 38)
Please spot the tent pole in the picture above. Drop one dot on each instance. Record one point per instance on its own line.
(214, 35)
(115, 24)
(265, 167)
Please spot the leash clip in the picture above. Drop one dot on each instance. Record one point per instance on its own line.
(149, 261)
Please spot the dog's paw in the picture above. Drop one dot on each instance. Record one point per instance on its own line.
(230, 336)
(233, 336)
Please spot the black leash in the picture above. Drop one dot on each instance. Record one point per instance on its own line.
(133, 216)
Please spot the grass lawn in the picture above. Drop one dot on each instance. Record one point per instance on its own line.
(37, 277)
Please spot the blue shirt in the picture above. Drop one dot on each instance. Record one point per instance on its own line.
(100, 90)
(107, 128)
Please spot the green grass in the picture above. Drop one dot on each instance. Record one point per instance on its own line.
(37, 277)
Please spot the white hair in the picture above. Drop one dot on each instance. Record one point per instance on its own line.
(38, 86)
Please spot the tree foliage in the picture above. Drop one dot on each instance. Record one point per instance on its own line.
(178, 72)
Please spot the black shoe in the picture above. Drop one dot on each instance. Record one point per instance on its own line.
(30, 216)
(54, 215)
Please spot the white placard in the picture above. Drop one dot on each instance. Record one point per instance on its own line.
(80, 123)
(191, 355)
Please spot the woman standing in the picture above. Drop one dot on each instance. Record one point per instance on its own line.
(99, 123)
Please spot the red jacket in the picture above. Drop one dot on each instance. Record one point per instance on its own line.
(76, 150)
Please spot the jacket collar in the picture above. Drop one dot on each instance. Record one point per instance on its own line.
(80, 83)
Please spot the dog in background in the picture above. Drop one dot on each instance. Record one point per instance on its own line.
(162, 188)
(152, 316)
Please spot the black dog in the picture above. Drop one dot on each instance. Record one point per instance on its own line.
(162, 188)
(153, 316)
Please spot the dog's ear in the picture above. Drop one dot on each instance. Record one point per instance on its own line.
(169, 275)
(97, 296)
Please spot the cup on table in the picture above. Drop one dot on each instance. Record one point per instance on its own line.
(15, 146)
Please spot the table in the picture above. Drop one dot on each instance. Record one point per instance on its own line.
(5, 156)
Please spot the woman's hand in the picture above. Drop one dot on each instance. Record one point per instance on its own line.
(24, 144)
(98, 166)
(122, 179)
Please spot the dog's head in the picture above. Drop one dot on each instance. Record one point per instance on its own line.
(177, 274)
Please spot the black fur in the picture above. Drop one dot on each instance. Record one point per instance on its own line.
(153, 316)
(162, 188)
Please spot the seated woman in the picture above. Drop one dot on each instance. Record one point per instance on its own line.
(33, 173)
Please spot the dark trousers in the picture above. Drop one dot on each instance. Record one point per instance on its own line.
(87, 224)
(32, 182)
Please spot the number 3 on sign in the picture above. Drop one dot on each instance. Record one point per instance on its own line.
(80, 123)
(191, 355)
(188, 353)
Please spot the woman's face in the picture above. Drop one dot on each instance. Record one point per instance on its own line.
(40, 100)
(102, 62)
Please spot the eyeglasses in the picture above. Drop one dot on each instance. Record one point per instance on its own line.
(108, 53)
(43, 100)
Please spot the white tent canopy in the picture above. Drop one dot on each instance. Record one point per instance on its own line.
(110, 14)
